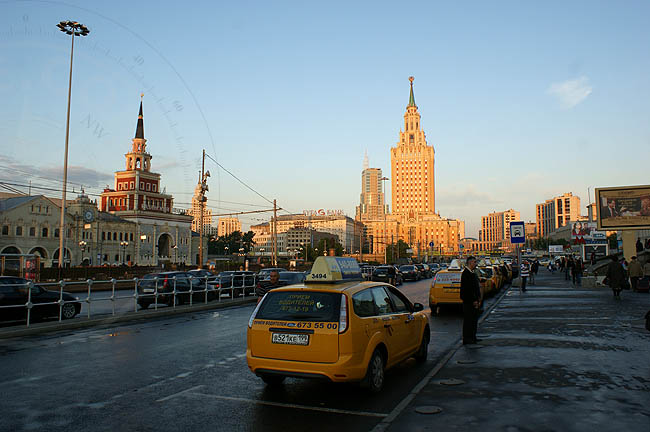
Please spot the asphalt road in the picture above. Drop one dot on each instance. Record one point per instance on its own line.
(187, 373)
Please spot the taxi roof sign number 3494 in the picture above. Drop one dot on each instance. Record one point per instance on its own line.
(517, 232)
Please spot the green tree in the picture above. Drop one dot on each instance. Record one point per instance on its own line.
(397, 251)
(325, 244)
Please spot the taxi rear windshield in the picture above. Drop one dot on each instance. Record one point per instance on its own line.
(301, 306)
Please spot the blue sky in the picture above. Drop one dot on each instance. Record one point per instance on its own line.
(521, 100)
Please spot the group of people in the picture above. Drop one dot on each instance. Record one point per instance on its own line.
(573, 269)
(618, 273)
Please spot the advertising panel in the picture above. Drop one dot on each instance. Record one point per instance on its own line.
(592, 252)
(555, 249)
(623, 208)
(586, 233)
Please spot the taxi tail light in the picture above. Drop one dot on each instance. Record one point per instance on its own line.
(252, 318)
(343, 314)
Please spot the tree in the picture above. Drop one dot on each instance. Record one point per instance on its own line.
(325, 244)
(231, 243)
(397, 251)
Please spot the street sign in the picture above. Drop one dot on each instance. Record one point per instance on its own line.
(430, 244)
(517, 232)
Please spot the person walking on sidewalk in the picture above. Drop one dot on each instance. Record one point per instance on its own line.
(615, 276)
(524, 273)
(636, 272)
(534, 267)
(567, 268)
(470, 294)
(578, 268)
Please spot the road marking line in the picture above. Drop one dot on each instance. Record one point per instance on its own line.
(179, 393)
(285, 405)
(385, 423)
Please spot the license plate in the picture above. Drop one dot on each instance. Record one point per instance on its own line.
(148, 290)
(290, 339)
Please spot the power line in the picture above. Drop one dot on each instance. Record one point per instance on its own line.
(237, 178)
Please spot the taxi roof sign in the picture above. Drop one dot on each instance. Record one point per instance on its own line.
(334, 269)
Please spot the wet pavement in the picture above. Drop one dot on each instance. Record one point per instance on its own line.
(553, 358)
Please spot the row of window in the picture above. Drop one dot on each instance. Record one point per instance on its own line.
(107, 235)
(45, 231)
(143, 186)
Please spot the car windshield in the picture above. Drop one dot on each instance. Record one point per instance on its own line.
(300, 306)
(381, 270)
(406, 268)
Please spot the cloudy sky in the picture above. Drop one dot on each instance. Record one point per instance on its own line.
(521, 100)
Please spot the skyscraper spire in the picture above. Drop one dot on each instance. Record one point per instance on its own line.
(139, 130)
(366, 163)
(411, 96)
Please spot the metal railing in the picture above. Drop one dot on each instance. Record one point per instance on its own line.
(22, 300)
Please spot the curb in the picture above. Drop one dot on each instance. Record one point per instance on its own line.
(41, 328)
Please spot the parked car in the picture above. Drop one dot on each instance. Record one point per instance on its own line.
(163, 284)
(425, 272)
(236, 282)
(289, 277)
(410, 272)
(14, 295)
(388, 274)
(265, 272)
(203, 274)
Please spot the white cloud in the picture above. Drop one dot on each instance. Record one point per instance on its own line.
(570, 93)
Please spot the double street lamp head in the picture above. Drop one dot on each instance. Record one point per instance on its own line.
(73, 28)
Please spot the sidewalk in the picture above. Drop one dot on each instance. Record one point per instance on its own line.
(555, 358)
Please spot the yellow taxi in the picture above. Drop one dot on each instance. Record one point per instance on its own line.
(335, 326)
(492, 275)
(445, 287)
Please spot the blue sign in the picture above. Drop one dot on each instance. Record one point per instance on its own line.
(517, 232)
(430, 244)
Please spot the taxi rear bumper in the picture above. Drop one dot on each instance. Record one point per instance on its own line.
(348, 368)
(437, 296)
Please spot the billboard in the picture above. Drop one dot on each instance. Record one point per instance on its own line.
(623, 208)
(596, 251)
(586, 233)
(555, 249)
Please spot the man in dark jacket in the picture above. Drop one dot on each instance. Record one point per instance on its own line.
(616, 276)
(470, 294)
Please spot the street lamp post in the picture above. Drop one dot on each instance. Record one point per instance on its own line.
(124, 244)
(73, 29)
(226, 250)
(82, 246)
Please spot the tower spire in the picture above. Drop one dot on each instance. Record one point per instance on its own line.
(139, 130)
(366, 163)
(411, 96)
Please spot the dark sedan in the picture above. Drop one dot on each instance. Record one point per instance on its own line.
(388, 274)
(410, 272)
(14, 294)
(235, 282)
(163, 285)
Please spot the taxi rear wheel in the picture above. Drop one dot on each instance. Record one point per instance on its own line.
(374, 379)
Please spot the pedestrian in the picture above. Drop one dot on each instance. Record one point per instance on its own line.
(615, 276)
(470, 294)
(524, 272)
(647, 243)
(639, 245)
(567, 268)
(265, 286)
(577, 271)
(636, 272)
(593, 258)
(534, 268)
